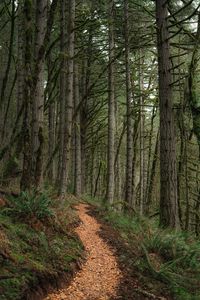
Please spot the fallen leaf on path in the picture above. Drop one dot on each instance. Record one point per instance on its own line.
(100, 275)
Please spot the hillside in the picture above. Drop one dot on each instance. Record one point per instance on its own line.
(84, 251)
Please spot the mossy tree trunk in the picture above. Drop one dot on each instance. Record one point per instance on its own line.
(129, 100)
(64, 178)
(169, 216)
(78, 174)
(111, 110)
(26, 179)
(193, 84)
(38, 96)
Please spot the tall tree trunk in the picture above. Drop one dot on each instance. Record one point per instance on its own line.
(149, 162)
(51, 125)
(33, 101)
(78, 175)
(62, 90)
(193, 85)
(169, 216)
(26, 179)
(141, 136)
(83, 127)
(20, 51)
(86, 77)
(64, 179)
(129, 99)
(182, 162)
(38, 98)
(152, 174)
(111, 110)
(97, 179)
(3, 91)
(197, 205)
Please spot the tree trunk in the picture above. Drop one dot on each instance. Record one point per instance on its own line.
(20, 67)
(111, 111)
(51, 144)
(64, 179)
(38, 97)
(62, 90)
(169, 216)
(129, 99)
(149, 162)
(152, 174)
(193, 82)
(5, 82)
(26, 179)
(78, 175)
(141, 136)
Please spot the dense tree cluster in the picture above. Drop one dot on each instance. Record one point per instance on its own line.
(102, 98)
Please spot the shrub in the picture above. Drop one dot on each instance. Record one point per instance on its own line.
(29, 204)
(180, 261)
(170, 257)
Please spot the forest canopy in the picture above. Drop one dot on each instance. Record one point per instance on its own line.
(102, 98)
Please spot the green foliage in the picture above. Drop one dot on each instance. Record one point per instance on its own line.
(122, 222)
(30, 204)
(180, 256)
(91, 200)
(170, 257)
(29, 254)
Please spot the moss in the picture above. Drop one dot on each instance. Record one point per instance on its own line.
(11, 168)
(196, 125)
(28, 254)
(10, 289)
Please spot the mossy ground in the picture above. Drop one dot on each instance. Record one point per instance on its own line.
(34, 251)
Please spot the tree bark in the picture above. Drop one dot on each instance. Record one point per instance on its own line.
(20, 67)
(38, 97)
(149, 162)
(5, 81)
(62, 90)
(129, 100)
(111, 110)
(141, 136)
(26, 179)
(64, 179)
(78, 175)
(152, 174)
(193, 83)
(168, 175)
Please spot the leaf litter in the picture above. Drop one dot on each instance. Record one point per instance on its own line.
(100, 275)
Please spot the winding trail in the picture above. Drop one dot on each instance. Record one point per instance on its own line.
(100, 275)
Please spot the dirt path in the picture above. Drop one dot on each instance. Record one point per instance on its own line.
(100, 275)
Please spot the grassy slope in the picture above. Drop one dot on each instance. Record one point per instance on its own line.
(34, 252)
(163, 256)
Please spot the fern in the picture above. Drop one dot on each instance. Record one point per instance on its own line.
(29, 205)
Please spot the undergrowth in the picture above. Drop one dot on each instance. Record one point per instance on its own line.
(168, 256)
(29, 204)
(36, 243)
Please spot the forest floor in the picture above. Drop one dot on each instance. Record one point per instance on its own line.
(100, 274)
(76, 250)
(104, 275)
(37, 254)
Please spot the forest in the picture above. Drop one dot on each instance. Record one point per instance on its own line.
(99, 149)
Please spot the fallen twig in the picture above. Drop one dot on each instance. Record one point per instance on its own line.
(148, 294)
